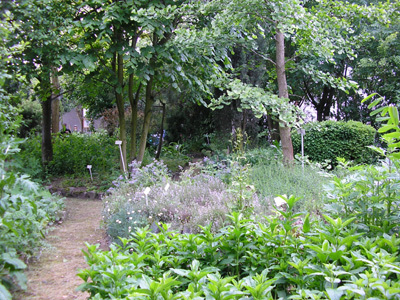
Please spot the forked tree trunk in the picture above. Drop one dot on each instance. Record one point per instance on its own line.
(284, 129)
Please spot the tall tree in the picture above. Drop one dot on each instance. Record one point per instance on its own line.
(135, 43)
(41, 27)
(308, 31)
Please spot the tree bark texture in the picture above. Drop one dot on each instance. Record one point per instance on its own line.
(284, 129)
(133, 100)
(47, 147)
(55, 105)
(161, 133)
(147, 117)
(121, 107)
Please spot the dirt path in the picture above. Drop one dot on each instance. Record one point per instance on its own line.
(54, 276)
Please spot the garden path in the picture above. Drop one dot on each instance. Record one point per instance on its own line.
(54, 277)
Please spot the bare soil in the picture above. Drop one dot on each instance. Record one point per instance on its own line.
(54, 277)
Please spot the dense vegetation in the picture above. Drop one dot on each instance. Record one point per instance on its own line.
(26, 210)
(347, 250)
(325, 141)
(224, 82)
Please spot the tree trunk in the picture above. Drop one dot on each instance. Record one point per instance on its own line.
(284, 129)
(121, 107)
(161, 133)
(55, 106)
(147, 118)
(79, 112)
(133, 100)
(47, 147)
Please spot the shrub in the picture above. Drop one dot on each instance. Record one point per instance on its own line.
(202, 201)
(331, 139)
(71, 154)
(371, 193)
(198, 199)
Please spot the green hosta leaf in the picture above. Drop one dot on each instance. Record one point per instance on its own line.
(4, 293)
(14, 261)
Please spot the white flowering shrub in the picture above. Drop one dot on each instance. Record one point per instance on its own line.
(199, 199)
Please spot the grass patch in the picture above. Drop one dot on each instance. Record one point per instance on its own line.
(273, 179)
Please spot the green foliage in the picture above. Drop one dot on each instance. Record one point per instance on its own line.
(350, 253)
(173, 155)
(329, 140)
(369, 193)
(31, 118)
(72, 154)
(25, 210)
(288, 256)
(258, 101)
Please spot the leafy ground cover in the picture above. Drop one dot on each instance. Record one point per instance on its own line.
(346, 249)
(26, 211)
(286, 257)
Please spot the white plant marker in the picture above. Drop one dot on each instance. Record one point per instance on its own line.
(90, 171)
(119, 143)
(302, 133)
(146, 192)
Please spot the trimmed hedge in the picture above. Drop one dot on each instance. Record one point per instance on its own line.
(332, 139)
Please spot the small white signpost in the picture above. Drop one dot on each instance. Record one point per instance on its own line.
(90, 171)
(302, 133)
(119, 143)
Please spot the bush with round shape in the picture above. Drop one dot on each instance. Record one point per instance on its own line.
(329, 140)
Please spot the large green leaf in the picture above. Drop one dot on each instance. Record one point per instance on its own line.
(4, 293)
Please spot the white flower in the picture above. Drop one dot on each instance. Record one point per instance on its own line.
(150, 217)
(130, 218)
(146, 191)
(279, 201)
